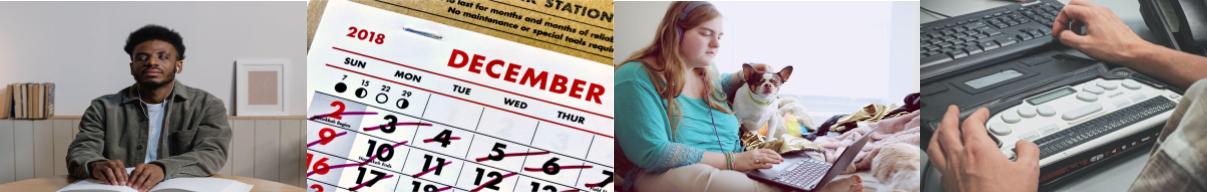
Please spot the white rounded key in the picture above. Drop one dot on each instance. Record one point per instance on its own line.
(1047, 129)
(1046, 111)
(1009, 154)
(1138, 97)
(1121, 102)
(1131, 85)
(1087, 97)
(1081, 111)
(1026, 111)
(999, 129)
(1011, 118)
(1116, 94)
(1108, 85)
(1093, 89)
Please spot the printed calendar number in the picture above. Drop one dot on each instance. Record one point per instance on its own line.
(427, 164)
(389, 126)
(497, 152)
(493, 178)
(319, 167)
(551, 167)
(603, 183)
(339, 110)
(384, 151)
(366, 35)
(316, 187)
(417, 186)
(376, 176)
(444, 138)
(537, 187)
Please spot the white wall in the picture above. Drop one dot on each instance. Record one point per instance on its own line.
(851, 53)
(904, 60)
(78, 45)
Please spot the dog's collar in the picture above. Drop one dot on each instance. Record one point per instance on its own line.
(757, 100)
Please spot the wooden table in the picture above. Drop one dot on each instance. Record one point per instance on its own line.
(54, 183)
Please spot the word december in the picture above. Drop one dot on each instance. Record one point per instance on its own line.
(499, 69)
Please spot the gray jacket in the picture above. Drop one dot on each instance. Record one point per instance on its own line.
(193, 142)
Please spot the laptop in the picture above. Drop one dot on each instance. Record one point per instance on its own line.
(807, 174)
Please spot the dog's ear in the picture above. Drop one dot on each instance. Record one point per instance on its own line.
(784, 73)
(747, 71)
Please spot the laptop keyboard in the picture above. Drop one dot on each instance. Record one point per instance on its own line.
(805, 174)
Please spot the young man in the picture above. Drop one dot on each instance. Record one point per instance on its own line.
(158, 126)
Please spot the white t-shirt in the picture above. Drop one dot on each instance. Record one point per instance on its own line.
(155, 113)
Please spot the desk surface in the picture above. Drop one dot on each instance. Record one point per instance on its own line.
(1118, 175)
(54, 183)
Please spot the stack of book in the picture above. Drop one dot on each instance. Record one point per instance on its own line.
(27, 101)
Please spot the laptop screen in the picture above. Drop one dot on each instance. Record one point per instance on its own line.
(844, 160)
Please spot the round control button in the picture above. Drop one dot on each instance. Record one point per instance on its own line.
(1108, 85)
(1131, 85)
(1046, 111)
(999, 129)
(1026, 111)
(1087, 97)
(1011, 118)
(1093, 89)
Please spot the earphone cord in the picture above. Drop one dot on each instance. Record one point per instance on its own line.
(714, 126)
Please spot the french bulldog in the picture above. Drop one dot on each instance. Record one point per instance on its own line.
(758, 103)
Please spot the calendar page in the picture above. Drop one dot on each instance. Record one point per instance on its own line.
(400, 103)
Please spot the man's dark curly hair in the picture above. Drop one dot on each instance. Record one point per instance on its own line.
(155, 32)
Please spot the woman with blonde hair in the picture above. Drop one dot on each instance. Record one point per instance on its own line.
(674, 127)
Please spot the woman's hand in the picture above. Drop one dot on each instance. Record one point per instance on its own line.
(756, 159)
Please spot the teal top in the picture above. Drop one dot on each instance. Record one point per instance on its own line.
(644, 133)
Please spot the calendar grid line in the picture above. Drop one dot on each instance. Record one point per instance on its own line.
(589, 145)
(530, 140)
(471, 140)
(579, 179)
(428, 101)
(407, 156)
(458, 180)
(534, 131)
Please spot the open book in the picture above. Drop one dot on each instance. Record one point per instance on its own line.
(172, 185)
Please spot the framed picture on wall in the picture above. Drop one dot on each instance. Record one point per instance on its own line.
(260, 87)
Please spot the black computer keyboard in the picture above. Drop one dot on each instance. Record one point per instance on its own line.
(1073, 136)
(984, 37)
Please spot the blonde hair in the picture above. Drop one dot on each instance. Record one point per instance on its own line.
(665, 66)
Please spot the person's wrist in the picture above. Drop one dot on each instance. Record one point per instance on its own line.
(159, 165)
(1137, 52)
(728, 160)
(88, 168)
(93, 165)
(739, 161)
